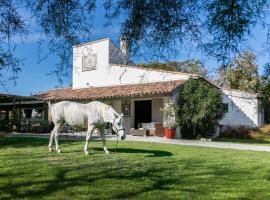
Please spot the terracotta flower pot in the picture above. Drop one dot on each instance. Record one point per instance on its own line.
(169, 133)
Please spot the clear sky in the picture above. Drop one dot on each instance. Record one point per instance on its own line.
(34, 76)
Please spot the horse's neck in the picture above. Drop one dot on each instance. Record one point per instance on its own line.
(110, 116)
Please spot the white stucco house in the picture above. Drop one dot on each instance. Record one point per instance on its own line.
(102, 71)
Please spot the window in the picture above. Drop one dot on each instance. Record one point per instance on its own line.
(225, 107)
(89, 62)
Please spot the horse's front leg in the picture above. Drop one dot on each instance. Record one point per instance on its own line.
(88, 136)
(56, 135)
(104, 143)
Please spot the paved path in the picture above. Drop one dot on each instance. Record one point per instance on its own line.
(211, 144)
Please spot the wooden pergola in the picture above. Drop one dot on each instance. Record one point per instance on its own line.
(9, 102)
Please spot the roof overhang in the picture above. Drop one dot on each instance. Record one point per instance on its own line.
(113, 92)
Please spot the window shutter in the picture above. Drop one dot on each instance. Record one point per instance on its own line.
(89, 62)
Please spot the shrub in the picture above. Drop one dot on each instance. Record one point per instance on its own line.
(170, 115)
(14, 120)
(200, 108)
(236, 132)
(40, 126)
(4, 126)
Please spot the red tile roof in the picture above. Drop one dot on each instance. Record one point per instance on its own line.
(118, 91)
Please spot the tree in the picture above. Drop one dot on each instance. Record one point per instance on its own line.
(161, 28)
(193, 66)
(265, 92)
(200, 108)
(241, 74)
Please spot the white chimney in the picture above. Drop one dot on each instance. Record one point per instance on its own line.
(124, 46)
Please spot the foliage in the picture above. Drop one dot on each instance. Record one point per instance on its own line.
(11, 24)
(193, 66)
(154, 29)
(14, 120)
(265, 92)
(4, 126)
(200, 108)
(236, 132)
(40, 126)
(260, 135)
(170, 115)
(241, 74)
(137, 170)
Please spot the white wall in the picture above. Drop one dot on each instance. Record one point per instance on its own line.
(111, 74)
(157, 109)
(90, 78)
(243, 109)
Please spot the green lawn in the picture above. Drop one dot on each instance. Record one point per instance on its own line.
(136, 171)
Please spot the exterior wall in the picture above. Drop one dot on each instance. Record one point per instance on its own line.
(107, 74)
(131, 75)
(157, 109)
(90, 78)
(243, 109)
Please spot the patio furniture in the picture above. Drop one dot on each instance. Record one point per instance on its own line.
(139, 132)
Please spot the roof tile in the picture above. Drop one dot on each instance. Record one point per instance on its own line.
(92, 93)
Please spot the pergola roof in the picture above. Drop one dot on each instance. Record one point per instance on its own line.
(131, 90)
(8, 98)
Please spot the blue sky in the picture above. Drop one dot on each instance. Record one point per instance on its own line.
(34, 76)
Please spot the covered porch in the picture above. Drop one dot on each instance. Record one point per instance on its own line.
(142, 104)
(143, 116)
(22, 112)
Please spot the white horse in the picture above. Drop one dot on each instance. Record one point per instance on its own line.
(92, 114)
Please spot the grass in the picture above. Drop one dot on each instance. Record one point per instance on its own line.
(136, 171)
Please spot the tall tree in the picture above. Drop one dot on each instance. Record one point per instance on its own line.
(265, 92)
(242, 73)
(155, 29)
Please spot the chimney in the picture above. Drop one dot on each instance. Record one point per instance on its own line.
(124, 46)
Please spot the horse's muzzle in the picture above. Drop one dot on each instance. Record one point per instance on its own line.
(123, 137)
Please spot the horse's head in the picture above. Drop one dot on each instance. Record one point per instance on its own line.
(119, 126)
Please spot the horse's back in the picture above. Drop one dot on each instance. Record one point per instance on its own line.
(71, 112)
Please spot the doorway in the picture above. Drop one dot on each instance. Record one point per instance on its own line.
(143, 112)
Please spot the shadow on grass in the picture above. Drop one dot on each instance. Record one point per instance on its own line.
(160, 179)
(151, 153)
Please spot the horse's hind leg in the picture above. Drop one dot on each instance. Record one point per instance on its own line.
(88, 136)
(56, 135)
(104, 142)
(51, 141)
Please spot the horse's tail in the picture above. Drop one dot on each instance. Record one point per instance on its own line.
(49, 111)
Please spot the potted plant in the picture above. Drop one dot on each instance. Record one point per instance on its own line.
(4, 128)
(170, 119)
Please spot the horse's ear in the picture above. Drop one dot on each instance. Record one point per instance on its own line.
(115, 115)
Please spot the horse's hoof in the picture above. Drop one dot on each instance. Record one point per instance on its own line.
(50, 149)
(58, 151)
(86, 153)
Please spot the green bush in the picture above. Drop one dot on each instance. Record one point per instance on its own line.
(200, 108)
(4, 126)
(14, 120)
(40, 126)
(236, 132)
